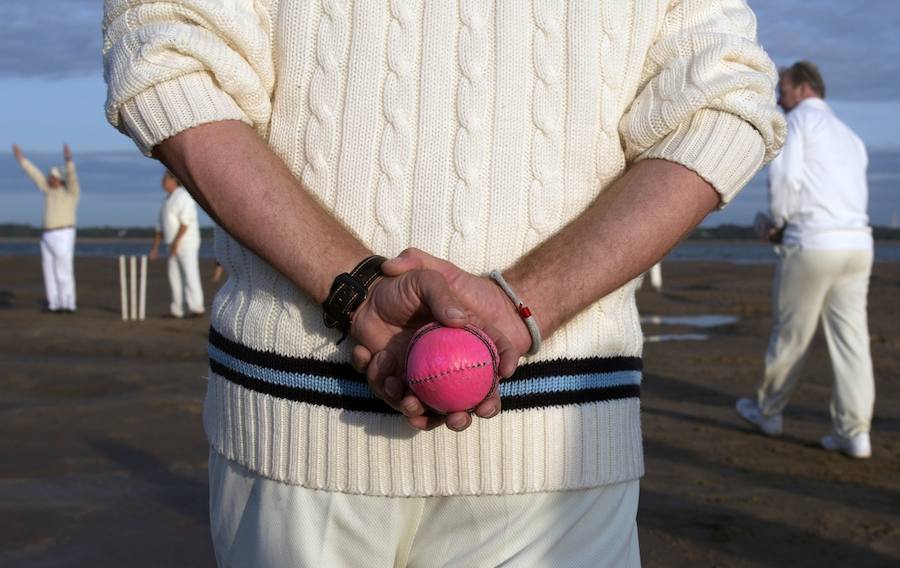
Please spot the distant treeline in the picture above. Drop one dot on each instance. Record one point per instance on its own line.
(720, 233)
(23, 231)
(745, 233)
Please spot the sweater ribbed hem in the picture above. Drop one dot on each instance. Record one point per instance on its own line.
(721, 148)
(522, 451)
(169, 107)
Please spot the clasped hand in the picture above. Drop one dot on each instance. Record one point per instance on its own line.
(418, 288)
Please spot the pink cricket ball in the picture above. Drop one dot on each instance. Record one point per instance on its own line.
(451, 369)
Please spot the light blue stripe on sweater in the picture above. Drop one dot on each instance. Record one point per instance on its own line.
(297, 380)
(569, 383)
(346, 387)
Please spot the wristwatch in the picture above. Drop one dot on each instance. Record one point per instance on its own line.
(348, 291)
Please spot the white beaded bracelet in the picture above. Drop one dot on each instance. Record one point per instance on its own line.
(522, 309)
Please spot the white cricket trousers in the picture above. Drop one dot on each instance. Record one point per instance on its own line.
(656, 276)
(262, 523)
(58, 263)
(184, 281)
(831, 285)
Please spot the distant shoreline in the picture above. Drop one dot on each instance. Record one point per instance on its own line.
(723, 233)
(740, 251)
(19, 233)
(97, 240)
(146, 239)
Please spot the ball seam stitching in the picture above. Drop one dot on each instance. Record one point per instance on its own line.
(428, 378)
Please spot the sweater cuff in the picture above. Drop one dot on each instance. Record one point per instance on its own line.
(169, 107)
(723, 149)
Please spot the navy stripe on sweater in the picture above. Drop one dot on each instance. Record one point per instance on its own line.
(337, 385)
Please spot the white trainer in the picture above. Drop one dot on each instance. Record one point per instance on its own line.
(749, 411)
(859, 446)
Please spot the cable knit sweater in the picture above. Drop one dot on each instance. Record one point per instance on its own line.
(473, 130)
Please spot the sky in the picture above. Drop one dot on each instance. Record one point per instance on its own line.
(52, 91)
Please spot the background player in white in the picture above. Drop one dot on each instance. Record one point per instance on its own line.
(178, 227)
(818, 198)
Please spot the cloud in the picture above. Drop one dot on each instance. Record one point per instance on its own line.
(855, 44)
(50, 39)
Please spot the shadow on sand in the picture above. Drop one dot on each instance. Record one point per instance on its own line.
(187, 495)
(750, 538)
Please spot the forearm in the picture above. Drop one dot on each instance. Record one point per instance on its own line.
(780, 196)
(72, 183)
(182, 229)
(778, 208)
(36, 176)
(249, 191)
(630, 226)
(157, 238)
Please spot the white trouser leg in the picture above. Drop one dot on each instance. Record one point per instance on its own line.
(847, 333)
(48, 266)
(65, 269)
(256, 521)
(62, 244)
(801, 284)
(656, 276)
(176, 308)
(188, 260)
(590, 528)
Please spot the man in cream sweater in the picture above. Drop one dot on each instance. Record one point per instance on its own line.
(563, 147)
(61, 193)
(818, 198)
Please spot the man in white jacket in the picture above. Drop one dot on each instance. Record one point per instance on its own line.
(178, 227)
(818, 198)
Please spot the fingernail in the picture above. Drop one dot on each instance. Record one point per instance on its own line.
(455, 313)
(493, 412)
(458, 424)
(410, 408)
(391, 387)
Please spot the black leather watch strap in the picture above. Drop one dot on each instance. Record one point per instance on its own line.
(349, 290)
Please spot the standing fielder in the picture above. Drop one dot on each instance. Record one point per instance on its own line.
(61, 194)
(819, 196)
(179, 228)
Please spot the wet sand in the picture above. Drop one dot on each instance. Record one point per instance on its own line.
(103, 458)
